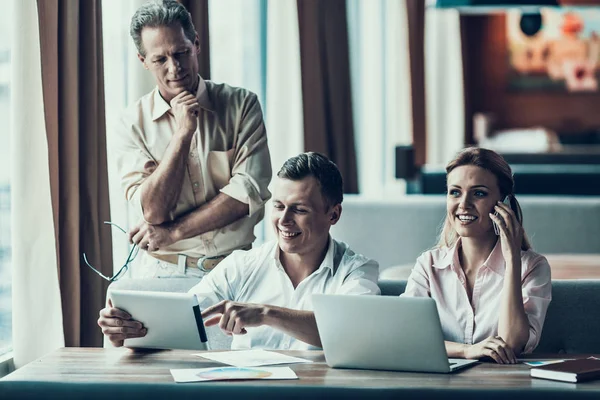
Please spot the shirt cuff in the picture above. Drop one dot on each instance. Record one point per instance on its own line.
(243, 189)
(532, 342)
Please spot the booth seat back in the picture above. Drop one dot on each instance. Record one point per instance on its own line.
(572, 322)
(395, 232)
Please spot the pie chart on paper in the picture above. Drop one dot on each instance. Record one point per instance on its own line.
(229, 373)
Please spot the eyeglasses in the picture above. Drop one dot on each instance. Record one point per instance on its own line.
(132, 253)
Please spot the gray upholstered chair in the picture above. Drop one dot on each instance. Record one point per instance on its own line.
(572, 321)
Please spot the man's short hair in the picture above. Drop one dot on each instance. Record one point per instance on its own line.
(322, 168)
(160, 13)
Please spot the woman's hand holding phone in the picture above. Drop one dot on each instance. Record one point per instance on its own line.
(509, 229)
(507, 202)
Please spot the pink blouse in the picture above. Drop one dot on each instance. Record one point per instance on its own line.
(438, 274)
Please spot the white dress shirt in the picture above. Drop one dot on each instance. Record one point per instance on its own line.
(438, 274)
(257, 276)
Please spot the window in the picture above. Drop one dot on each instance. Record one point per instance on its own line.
(120, 64)
(5, 241)
(237, 30)
(236, 44)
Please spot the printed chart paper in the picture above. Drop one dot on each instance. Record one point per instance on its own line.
(231, 373)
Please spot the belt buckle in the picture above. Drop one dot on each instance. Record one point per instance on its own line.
(200, 264)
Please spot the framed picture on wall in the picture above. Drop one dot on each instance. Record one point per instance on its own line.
(555, 49)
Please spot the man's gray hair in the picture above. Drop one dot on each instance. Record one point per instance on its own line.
(160, 13)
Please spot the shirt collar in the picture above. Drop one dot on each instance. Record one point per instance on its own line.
(161, 106)
(328, 260)
(451, 257)
(326, 263)
(495, 260)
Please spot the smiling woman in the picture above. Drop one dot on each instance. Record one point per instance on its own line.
(487, 178)
(492, 291)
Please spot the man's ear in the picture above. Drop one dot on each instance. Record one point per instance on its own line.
(335, 213)
(197, 44)
(143, 60)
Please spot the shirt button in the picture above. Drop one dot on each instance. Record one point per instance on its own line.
(195, 184)
(192, 154)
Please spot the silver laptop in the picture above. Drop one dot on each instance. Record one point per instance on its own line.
(382, 332)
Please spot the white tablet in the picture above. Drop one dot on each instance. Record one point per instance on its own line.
(173, 320)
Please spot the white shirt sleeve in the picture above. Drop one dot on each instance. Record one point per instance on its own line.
(418, 281)
(537, 294)
(362, 280)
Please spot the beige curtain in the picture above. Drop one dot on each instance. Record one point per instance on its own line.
(415, 10)
(73, 93)
(326, 91)
(198, 9)
(36, 305)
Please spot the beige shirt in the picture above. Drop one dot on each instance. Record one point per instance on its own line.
(438, 274)
(228, 154)
(257, 276)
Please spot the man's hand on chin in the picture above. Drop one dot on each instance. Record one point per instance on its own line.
(185, 110)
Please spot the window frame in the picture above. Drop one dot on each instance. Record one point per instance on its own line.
(7, 364)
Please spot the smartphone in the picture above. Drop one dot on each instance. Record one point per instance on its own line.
(507, 202)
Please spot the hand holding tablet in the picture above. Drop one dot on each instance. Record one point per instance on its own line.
(172, 320)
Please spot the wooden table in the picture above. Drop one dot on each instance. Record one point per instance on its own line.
(115, 366)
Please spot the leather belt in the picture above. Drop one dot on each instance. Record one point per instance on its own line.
(203, 263)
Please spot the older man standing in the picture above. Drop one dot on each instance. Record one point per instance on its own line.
(192, 154)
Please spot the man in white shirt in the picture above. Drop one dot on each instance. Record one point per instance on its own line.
(263, 296)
